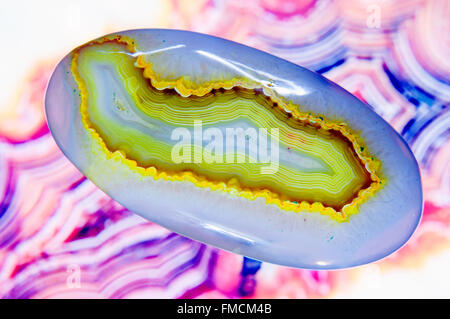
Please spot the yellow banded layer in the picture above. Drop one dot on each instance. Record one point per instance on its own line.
(131, 112)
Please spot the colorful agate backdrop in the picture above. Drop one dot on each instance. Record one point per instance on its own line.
(61, 237)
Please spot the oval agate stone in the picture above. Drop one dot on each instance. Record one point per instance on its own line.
(236, 148)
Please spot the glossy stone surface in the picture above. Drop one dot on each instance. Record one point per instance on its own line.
(347, 189)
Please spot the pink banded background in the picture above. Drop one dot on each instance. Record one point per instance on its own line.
(61, 237)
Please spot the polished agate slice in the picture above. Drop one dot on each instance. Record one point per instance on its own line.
(236, 148)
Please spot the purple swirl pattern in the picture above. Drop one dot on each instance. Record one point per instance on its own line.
(61, 237)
